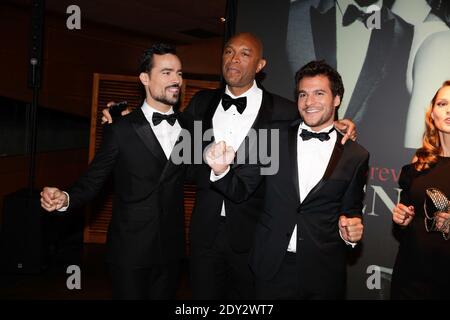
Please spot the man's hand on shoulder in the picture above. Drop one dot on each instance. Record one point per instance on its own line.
(107, 118)
(348, 128)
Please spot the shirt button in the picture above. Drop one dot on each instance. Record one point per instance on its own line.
(299, 210)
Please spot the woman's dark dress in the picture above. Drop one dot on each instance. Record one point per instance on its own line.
(422, 267)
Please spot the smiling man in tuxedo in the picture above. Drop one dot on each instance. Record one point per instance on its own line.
(222, 231)
(312, 207)
(146, 234)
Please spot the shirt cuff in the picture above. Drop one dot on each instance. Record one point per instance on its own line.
(215, 178)
(353, 244)
(63, 209)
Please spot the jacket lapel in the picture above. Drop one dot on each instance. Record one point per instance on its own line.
(250, 143)
(171, 167)
(145, 132)
(207, 119)
(265, 111)
(334, 160)
(213, 105)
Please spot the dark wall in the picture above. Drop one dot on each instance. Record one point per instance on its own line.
(72, 56)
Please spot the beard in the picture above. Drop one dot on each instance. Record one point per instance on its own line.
(168, 98)
(314, 121)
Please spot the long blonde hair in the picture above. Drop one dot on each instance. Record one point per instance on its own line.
(431, 144)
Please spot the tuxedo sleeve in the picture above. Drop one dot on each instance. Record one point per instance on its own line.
(352, 202)
(240, 182)
(90, 183)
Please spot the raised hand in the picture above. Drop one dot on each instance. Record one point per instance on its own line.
(218, 156)
(53, 199)
(106, 118)
(351, 228)
(403, 215)
(348, 128)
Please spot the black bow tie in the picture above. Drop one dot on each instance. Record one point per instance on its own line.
(322, 136)
(352, 14)
(158, 117)
(240, 103)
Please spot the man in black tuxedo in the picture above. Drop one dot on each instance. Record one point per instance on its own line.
(222, 231)
(146, 234)
(312, 205)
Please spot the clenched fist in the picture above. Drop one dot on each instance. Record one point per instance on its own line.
(218, 156)
(53, 199)
(351, 228)
(403, 215)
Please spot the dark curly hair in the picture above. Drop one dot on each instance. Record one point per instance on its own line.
(320, 67)
(146, 63)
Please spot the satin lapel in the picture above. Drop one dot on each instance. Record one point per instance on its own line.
(374, 68)
(170, 166)
(323, 26)
(145, 132)
(213, 104)
(334, 160)
(265, 112)
(262, 120)
(207, 122)
(292, 145)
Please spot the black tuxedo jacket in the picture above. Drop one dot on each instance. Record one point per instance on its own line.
(320, 249)
(240, 217)
(147, 225)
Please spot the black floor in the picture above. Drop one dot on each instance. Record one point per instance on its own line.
(50, 284)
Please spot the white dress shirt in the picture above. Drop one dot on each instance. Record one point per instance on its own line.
(231, 126)
(166, 134)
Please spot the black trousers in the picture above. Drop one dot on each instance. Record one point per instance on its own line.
(157, 282)
(287, 285)
(218, 272)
